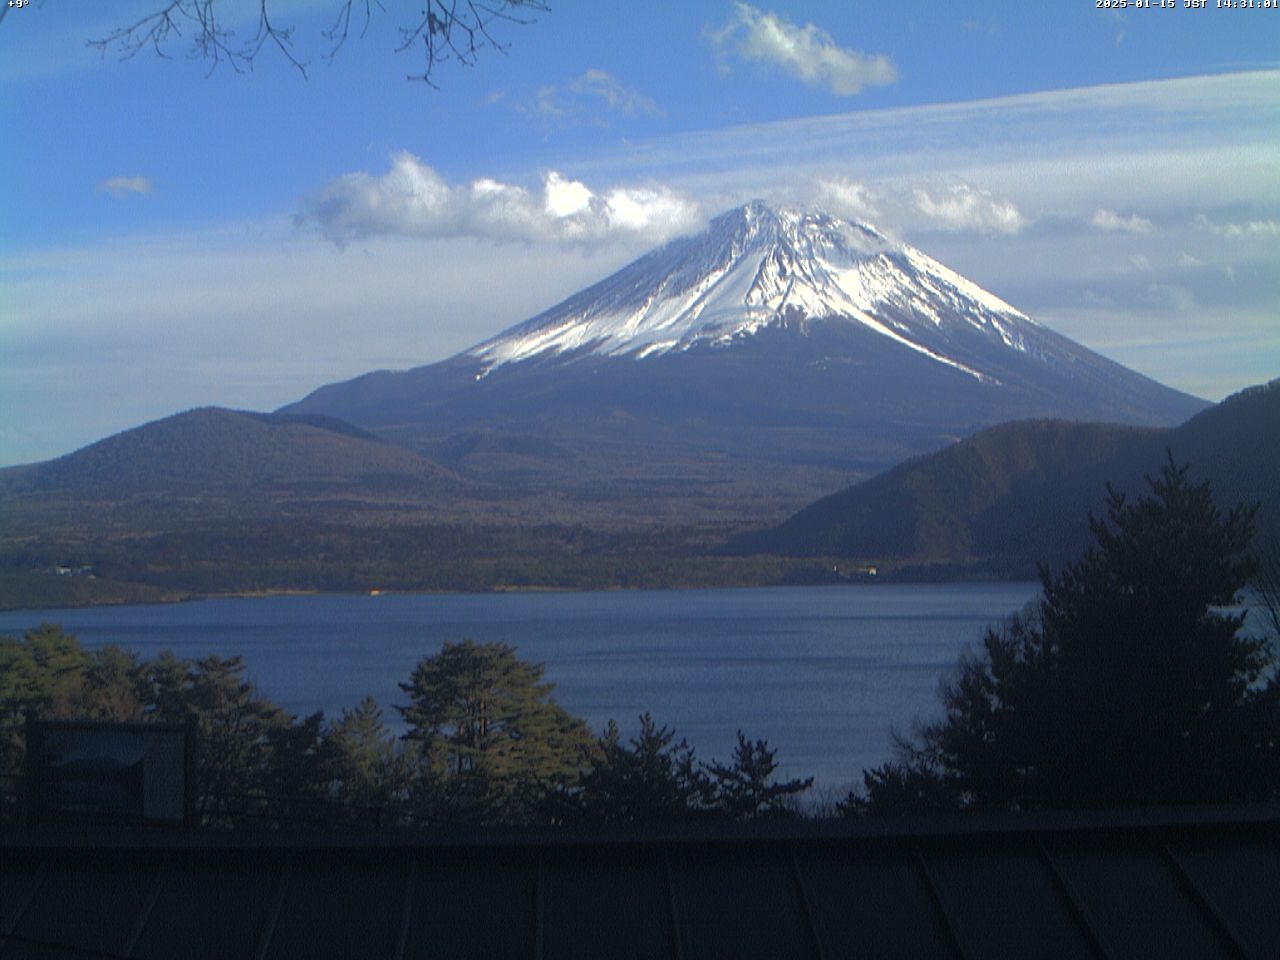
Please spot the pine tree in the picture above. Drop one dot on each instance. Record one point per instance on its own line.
(1128, 683)
(370, 770)
(490, 735)
(50, 674)
(747, 788)
(652, 777)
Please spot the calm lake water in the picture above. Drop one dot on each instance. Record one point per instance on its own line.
(823, 673)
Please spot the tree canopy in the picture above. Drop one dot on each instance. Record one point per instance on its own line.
(489, 730)
(485, 743)
(1129, 682)
(748, 788)
(649, 778)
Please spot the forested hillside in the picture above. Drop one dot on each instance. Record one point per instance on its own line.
(1021, 492)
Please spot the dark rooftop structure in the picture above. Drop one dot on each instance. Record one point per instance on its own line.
(1198, 882)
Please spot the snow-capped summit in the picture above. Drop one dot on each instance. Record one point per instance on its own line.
(755, 267)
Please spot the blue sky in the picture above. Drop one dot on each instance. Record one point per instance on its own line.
(174, 237)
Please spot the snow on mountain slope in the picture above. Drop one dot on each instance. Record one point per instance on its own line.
(785, 334)
(757, 267)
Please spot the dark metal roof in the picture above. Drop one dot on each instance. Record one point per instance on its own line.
(1201, 882)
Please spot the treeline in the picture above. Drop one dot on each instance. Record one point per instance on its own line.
(486, 743)
(304, 554)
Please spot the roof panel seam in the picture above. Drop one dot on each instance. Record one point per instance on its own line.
(1198, 896)
(942, 908)
(1075, 906)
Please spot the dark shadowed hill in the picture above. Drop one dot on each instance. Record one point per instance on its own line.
(1021, 492)
(215, 448)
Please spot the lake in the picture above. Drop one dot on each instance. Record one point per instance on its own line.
(822, 673)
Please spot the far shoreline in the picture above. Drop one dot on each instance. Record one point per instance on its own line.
(139, 595)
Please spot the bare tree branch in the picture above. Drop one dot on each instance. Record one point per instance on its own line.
(446, 30)
(338, 33)
(449, 30)
(283, 39)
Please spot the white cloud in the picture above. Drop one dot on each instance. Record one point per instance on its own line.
(1109, 220)
(848, 198)
(412, 199)
(807, 53)
(1250, 228)
(123, 186)
(565, 198)
(966, 208)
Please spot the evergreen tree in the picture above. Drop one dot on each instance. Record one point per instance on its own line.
(298, 776)
(491, 738)
(233, 749)
(652, 777)
(747, 788)
(370, 770)
(49, 674)
(1128, 683)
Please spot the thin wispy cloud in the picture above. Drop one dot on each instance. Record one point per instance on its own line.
(125, 186)
(1049, 145)
(606, 88)
(334, 314)
(1121, 22)
(413, 199)
(808, 53)
(990, 28)
(1170, 296)
(1250, 228)
(588, 98)
(963, 207)
(1114, 222)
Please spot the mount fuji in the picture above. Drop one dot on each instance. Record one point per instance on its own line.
(737, 374)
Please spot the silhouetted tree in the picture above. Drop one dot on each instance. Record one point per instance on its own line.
(1266, 585)
(747, 789)
(911, 785)
(298, 775)
(1128, 683)
(651, 777)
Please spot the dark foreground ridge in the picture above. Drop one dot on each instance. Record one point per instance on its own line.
(1193, 882)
